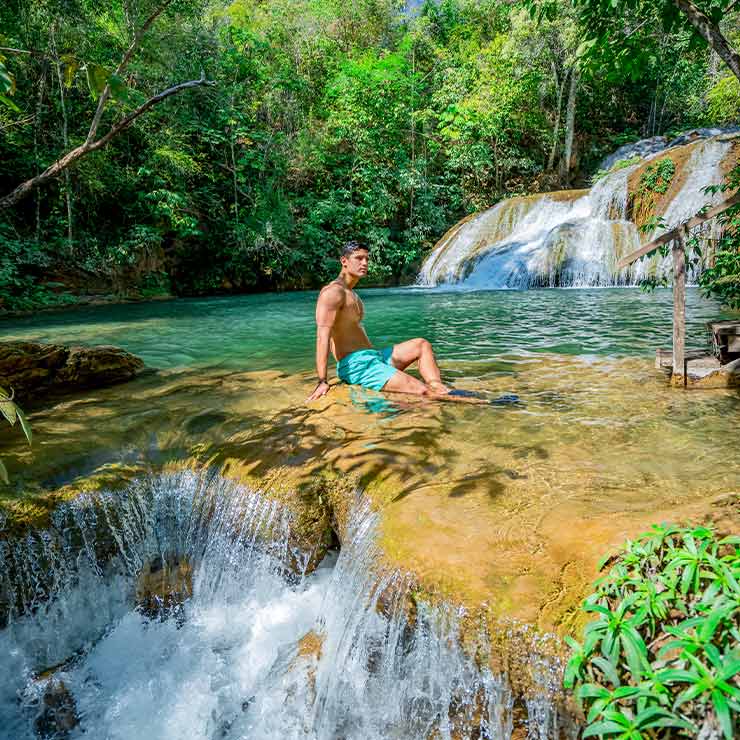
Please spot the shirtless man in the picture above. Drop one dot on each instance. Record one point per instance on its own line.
(339, 312)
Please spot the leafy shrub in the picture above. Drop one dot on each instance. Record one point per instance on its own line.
(657, 177)
(721, 279)
(662, 658)
(22, 265)
(724, 101)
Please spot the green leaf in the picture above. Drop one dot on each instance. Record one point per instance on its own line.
(597, 608)
(602, 728)
(592, 690)
(691, 693)
(8, 103)
(71, 65)
(25, 426)
(723, 713)
(4, 474)
(118, 88)
(97, 78)
(9, 410)
(673, 675)
(608, 669)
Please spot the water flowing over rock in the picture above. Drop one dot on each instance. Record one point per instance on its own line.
(234, 663)
(575, 238)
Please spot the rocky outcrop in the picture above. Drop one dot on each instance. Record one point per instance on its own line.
(32, 369)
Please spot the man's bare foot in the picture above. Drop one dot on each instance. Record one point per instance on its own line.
(438, 388)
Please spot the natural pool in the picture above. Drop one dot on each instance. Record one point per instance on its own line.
(506, 507)
(275, 331)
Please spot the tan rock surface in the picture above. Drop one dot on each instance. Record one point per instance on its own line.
(505, 509)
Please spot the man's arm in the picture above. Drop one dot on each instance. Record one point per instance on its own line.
(330, 302)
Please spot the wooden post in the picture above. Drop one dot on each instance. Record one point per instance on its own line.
(679, 304)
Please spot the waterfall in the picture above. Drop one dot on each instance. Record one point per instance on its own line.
(251, 646)
(568, 239)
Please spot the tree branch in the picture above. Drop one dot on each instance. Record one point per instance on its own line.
(125, 122)
(73, 155)
(105, 95)
(669, 236)
(31, 52)
(711, 34)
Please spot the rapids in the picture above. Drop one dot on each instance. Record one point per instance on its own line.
(568, 238)
(259, 650)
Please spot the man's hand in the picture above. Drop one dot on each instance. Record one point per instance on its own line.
(321, 390)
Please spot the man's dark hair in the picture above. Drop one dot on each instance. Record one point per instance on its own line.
(350, 247)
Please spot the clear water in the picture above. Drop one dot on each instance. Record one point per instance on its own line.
(600, 440)
(276, 331)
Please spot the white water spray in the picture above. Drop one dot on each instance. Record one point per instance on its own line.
(549, 241)
(228, 662)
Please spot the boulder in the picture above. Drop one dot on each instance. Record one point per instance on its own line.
(32, 369)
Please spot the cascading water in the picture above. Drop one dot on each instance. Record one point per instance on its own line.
(567, 239)
(252, 647)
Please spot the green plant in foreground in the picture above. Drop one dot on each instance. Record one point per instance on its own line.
(662, 657)
(12, 412)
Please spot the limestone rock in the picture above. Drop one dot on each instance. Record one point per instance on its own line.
(163, 586)
(58, 712)
(32, 369)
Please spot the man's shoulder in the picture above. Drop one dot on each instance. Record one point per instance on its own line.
(332, 292)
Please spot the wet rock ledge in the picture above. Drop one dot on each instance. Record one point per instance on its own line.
(34, 369)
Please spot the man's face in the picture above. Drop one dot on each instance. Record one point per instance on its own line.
(356, 263)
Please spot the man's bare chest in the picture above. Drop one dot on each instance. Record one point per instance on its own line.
(353, 310)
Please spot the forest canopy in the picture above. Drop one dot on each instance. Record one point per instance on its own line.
(310, 122)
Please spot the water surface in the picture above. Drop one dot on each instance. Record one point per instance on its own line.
(276, 331)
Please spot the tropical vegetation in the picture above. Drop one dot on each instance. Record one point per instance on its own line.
(662, 657)
(196, 146)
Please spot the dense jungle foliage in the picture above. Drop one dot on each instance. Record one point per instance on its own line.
(377, 120)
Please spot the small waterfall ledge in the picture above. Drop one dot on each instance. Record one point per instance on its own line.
(575, 238)
(183, 605)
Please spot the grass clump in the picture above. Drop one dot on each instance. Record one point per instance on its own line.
(662, 658)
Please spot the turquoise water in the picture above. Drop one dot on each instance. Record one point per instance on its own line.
(276, 331)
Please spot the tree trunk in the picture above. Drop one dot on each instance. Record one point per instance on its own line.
(679, 303)
(559, 85)
(711, 34)
(65, 140)
(570, 123)
(36, 128)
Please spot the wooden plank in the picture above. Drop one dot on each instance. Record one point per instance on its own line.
(679, 303)
(671, 235)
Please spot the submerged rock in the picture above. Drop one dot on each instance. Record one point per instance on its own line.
(57, 715)
(163, 586)
(34, 369)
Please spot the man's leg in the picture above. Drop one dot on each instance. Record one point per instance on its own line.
(401, 382)
(406, 353)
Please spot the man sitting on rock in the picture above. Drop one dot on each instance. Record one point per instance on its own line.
(339, 313)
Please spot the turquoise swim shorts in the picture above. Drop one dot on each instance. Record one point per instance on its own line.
(370, 368)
